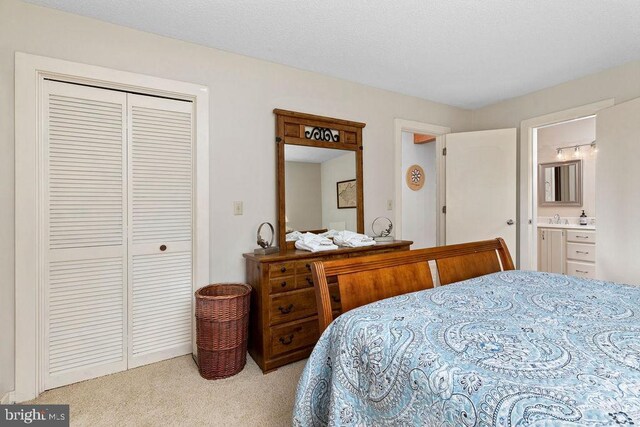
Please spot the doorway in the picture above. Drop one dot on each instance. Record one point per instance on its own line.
(563, 124)
(419, 194)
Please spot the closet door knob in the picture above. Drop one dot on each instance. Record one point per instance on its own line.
(163, 248)
(510, 222)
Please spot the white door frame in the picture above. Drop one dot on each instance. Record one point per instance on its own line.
(402, 125)
(30, 72)
(528, 254)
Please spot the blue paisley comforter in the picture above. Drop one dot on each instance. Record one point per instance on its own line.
(507, 349)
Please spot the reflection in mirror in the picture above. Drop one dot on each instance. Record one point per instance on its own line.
(313, 179)
(560, 184)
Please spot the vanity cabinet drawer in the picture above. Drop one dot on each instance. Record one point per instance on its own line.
(294, 305)
(581, 236)
(287, 338)
(581, 252)
(581, 269)
(282, 284)
(282, 269)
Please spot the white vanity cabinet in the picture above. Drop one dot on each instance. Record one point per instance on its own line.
(567, 251)
(551, 250)
(581, 253)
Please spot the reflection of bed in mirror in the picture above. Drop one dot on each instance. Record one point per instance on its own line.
(312, 175)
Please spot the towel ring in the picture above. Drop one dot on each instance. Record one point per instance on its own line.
(261, 242)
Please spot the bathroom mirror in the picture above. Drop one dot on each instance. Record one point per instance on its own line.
(319, 174)
(560, 183)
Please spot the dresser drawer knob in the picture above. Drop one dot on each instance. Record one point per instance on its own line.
(283, 284)
(582, 252)
(335, 298)
(582, 237)
(582, 271)
(309, 281)
(286, 310)
(286, 340)
(283, 269)
(308, 266)
(163, 248)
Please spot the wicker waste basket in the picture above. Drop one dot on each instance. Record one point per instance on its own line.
(222, 328)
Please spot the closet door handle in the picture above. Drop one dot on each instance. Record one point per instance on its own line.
(510, 222)
(163, 248)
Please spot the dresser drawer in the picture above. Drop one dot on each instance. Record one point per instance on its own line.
(286, 338)
(290, 306)
(581, 252)
(282, 269)
(578, 236)
(304, 281)
(581, 269)
(282, 284)
(304, 266)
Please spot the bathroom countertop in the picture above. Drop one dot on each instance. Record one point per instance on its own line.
(591, 227)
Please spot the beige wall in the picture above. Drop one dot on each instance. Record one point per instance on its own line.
(303, 195)
(244, 92)
(621, 83)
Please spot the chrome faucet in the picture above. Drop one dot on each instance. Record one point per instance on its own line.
(556, 218)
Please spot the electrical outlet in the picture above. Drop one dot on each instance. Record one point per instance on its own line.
(389, 205)
(237, 208)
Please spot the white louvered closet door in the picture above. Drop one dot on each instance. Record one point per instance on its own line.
(160, 232)
(84, 200)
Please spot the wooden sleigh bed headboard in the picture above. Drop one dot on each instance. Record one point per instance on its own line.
(363, 280)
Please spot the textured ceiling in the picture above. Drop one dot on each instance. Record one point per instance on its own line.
(466, 53)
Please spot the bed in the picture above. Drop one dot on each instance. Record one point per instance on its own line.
(508, 348)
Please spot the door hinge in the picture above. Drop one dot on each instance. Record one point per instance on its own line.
(444, 209)
(444, 151)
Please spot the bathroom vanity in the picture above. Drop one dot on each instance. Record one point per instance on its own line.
(567, 249)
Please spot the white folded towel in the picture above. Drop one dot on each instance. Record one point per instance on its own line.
(352, 240)
(314, 243)
(293, 236)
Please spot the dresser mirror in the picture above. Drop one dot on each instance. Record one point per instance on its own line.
(320, 190)
(319, 174)
(560, 183)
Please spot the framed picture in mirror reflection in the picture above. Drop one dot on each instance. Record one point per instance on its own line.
(347, 194)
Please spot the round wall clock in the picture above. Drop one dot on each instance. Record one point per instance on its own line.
(415, 177)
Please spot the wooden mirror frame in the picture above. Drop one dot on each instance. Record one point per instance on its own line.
(290, 129)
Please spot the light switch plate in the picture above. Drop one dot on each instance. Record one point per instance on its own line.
(237, 208)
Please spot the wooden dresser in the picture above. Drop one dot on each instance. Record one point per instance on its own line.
(283, 325)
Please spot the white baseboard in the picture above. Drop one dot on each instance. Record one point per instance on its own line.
(7, 398)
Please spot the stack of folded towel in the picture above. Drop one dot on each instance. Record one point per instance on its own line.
(352, 240)
(293, 236)
(314, 243)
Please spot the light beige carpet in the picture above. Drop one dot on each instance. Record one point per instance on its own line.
(172, 393)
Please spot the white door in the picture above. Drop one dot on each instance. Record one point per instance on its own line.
(117, 221)
(160, 235)
(617, 201)
(84, 241)
(481, 186)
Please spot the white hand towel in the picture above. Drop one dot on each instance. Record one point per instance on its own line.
(314, 243)
(352, 240)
